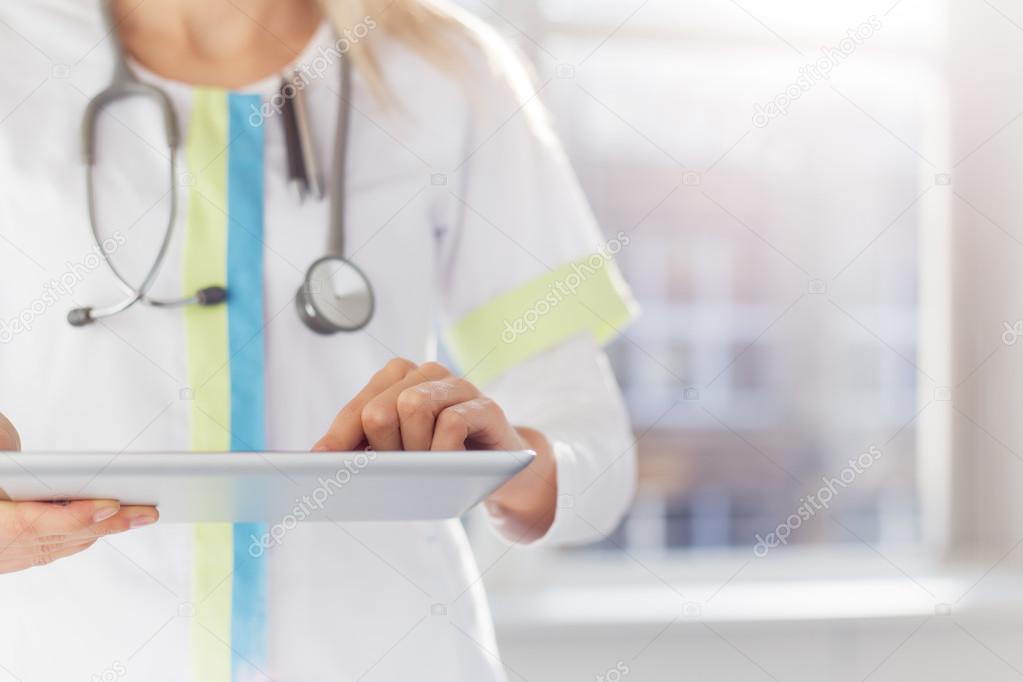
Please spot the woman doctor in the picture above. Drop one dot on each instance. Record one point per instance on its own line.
(460, 212)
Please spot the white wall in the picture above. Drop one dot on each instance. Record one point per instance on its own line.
(985, 65)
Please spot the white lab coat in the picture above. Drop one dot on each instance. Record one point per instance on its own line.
(454, 198)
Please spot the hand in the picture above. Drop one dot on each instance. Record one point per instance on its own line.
(37, 533)
(424, 407)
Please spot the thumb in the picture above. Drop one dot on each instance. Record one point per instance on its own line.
(9, 439)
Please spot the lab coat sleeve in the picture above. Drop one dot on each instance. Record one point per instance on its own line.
(569, 394)
(523, 265)
(530, 291)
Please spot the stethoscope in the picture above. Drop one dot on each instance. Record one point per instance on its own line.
(335, 295)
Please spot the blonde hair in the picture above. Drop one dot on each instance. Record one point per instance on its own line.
(438, 32)
(450, 37)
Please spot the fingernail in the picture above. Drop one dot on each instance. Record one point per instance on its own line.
(104, 513)
(140, 521)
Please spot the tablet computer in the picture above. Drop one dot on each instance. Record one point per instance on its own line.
(199, 487)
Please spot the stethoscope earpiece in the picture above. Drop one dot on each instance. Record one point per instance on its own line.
(80, 317)
(211, 296)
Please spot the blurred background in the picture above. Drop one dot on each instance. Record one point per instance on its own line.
(825, 240)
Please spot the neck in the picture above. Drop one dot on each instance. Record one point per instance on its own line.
(216, 42)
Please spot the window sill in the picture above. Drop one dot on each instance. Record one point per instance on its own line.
(797, 589)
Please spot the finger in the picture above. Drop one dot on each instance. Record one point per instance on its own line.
(479, 420)
(419, 405)
(9, 439)
(24, 521)
(44, 549)
(380, 419)
(127, 518)
(345, 432)
(42, 559)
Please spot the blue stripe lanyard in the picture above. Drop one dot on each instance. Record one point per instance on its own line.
(246, 351)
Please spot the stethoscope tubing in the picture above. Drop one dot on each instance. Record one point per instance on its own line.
(123, 85)
(138, 294)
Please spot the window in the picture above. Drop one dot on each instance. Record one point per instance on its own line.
(769, 162)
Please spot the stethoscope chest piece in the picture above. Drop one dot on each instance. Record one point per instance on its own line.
(335, 297)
